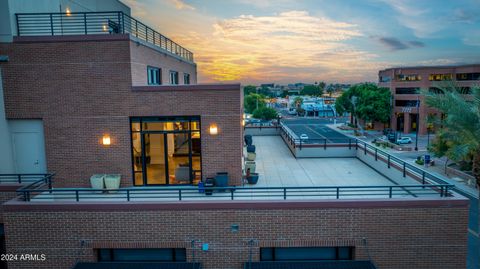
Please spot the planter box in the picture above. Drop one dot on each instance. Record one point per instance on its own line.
(251, 156)
(97, 181)
(112, 182)
(250, 165)
(253, 178)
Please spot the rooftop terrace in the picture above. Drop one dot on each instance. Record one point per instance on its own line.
(88, 23)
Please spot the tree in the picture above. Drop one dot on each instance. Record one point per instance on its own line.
(249, 89)
(251, 101)
(298, 101)
(265, 113)
(461, 126)
(365, 101)
(312, 90)
(330, 89)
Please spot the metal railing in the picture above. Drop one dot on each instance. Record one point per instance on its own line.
(232, 193)
(22, 178)
(85, 23)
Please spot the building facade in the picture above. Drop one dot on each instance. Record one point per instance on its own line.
(405, 84)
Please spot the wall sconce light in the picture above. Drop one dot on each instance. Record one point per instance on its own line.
(104, 28)
(106, 140)
(213, 129)
(243, 123)
(68, 12)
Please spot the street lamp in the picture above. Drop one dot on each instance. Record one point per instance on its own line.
(418, 124)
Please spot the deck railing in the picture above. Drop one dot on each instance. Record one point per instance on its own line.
(85, 23)
(233, 193)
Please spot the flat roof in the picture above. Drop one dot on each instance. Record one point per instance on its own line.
(431, 66)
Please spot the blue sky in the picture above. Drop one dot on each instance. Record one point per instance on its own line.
(284, 41)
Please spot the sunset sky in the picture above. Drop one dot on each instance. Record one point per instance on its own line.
(286, 41)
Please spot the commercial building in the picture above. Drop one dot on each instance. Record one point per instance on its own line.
(96, 92)
(405, 84)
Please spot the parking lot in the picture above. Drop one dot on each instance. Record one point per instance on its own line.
(316, 130)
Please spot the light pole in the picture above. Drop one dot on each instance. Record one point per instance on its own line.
(418, 124)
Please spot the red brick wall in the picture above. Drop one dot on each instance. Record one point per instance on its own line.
(82, 89)
(398, 236)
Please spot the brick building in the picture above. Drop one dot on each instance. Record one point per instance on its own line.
(114, 97)
(405, 84)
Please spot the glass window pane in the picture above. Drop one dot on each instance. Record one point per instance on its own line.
(321, 253)
(180, 255)
(137, 151)
(143, 254)
(135, 126)
(138, 179)
(344, 253)
(266, 254)
(195, 125)
(104, 255)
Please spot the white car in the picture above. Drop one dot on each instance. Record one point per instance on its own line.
(404, 140)
(304, 137)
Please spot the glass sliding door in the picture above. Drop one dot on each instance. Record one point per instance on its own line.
(166, 151)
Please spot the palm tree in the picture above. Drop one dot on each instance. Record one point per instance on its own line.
(461, 126)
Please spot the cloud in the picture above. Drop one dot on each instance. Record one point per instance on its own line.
(466, 16)
(180, 4)
(394, 44)
(290, 46)
(472, 38)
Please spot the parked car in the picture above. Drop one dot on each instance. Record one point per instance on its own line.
(304, 137)
(404, 140)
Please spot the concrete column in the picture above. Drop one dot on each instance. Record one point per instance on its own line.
(407, 123)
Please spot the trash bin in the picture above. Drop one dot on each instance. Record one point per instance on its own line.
(221, 180)
(209, 184)
(251, 148)
(248, 140)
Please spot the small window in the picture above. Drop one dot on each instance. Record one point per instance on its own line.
(306, 253)
(142, 254)
(186, 79)
(174, 77)
(154, 76)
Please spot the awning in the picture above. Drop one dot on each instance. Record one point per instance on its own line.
(311, 265)
(136, 265)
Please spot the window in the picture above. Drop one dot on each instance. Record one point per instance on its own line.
(440, 77)
(406, 103)
(142, 255)
(154, 76)
(408, 77)
(174, 77)
(384, 79)
(407, 90)
(306, 253)
(186, 79)
(468, 76)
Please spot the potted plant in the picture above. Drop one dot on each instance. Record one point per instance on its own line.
(252, 178)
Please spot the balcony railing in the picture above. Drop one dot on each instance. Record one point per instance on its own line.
(86, 23)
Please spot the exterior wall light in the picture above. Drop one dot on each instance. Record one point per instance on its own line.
(106, 140)
(213, 129)
(68, 12)
(243, 123)
(104, 28)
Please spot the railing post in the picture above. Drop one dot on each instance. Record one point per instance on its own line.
(180, 194)
(404, 169)
(338, 192)
(85, 22)
(349, 143)
(19, 178)
(77, 196)
(423, 179)
(376, 154)
(27, 196)
(18, 28)
(300, 144)
(128, 195)
(356, 144)
(136, 28)
(231, 193)
(325, 144)
(441, 191)
(123, 23)
(390, 192)
(446, 191)
(365, 145)
(388, 161)
(284, 193)
(51, 23)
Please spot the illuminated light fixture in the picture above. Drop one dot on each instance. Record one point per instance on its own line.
(243, 122)
(213, 129)
(105, 28)
(68, 12)
(106, 140)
